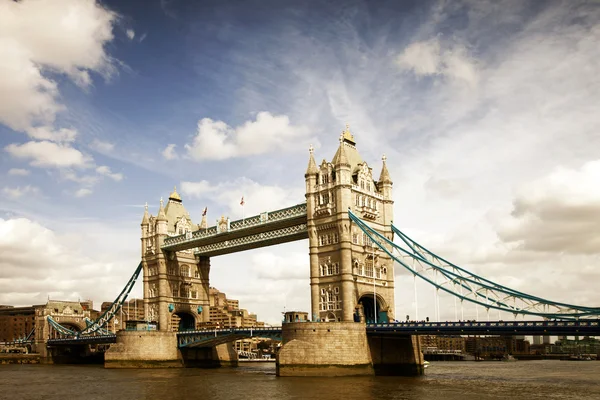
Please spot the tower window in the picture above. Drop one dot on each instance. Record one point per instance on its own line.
(184, 270)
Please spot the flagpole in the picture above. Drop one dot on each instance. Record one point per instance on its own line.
(243, 203)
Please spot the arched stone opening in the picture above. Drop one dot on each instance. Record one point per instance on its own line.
(72, 326)
(183, 321)
(374, 308)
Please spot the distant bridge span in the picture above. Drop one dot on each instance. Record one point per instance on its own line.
(212, 337)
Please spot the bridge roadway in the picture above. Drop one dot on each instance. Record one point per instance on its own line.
(212, 337)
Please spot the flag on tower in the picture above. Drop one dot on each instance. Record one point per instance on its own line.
(204, 212)
(242, 202)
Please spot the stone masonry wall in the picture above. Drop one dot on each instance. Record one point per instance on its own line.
(398, 355)
(324, 348)
(143, 349)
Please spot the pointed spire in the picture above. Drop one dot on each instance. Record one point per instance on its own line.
(161, 212)
(340, 155)
(203, 223)
(347, 135)
(174, 195)
(146, 219)
(312, 165)
(384, 177)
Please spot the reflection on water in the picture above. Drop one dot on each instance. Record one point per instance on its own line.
(443, 380)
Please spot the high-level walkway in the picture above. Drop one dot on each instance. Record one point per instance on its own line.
(265, 229)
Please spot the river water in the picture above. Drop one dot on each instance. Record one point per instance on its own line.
(443, 380)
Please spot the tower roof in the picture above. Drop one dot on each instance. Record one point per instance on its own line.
(346, 152)
(175, 210)
(312, 165)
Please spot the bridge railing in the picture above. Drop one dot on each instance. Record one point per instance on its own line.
(263, 218)
(491, 324)
(230, 330)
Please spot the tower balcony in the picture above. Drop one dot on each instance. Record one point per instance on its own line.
(324, 210)
(368, 212)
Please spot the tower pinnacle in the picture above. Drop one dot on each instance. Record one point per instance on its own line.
(161, 212)
(146, 219)
(312, 165)
(384, 177)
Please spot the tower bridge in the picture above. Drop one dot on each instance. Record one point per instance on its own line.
(347, 218)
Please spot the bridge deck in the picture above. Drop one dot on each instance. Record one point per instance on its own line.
(211, 337)
(503, 328)
(262, 230)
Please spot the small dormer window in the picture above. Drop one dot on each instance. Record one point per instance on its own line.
(324, 178)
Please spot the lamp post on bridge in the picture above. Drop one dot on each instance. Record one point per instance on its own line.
(374, 288)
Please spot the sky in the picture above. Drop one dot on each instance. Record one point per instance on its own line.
(487, 112)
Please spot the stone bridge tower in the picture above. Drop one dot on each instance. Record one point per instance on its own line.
(176, 284)
(349, 278)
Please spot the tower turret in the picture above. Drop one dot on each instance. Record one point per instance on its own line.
(146, 217)
(384, 177)
(161, 221)
(145, 227)
(312, 165)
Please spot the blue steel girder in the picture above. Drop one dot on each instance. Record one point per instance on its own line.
(81, 340)
(464, 285)
(273, 227)
(97, 326)
(213, 337)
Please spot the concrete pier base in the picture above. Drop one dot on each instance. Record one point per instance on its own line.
(223, 355)
(343, 349)
(398, 355)
(144, 349)
(324, 349)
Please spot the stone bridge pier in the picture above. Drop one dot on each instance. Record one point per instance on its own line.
(344, 349)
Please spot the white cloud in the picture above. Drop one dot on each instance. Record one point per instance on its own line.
(269, 266)
(257, 197)
(46, 133)
(48, 154)
(18, 172)
(72, 268)
(64, 36)
(430, 57)
(16, 193)
(83, 192)
(84, 179)
(558, 213)
(102, 146)
(216, 140)
(130, 34)
(169, 152)
(104, 170)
